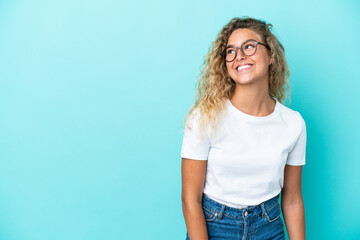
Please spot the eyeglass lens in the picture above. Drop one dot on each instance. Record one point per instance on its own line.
(248, 48)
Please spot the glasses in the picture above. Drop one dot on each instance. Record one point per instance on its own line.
(248, 48)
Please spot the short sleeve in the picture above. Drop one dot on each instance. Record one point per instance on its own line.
(195, 145)
(297, 155)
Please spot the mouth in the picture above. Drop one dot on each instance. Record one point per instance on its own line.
(244, 67)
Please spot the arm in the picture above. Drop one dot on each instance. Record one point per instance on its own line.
(292, 203)
(193, 178)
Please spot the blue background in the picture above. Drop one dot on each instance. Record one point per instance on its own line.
(93, 96)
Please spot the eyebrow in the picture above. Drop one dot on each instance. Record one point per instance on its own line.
(241, 43)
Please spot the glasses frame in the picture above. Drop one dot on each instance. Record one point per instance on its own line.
(223, 53)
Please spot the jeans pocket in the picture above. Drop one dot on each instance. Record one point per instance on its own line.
(210, 215)
(273, 212)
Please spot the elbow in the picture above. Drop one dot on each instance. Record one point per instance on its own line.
(189, 201)
(291, 199)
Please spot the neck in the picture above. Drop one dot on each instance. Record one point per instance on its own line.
(253, 100)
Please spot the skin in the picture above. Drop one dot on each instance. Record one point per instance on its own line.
(292, 204)
(252, 97)
(252, 92)
(193, 179)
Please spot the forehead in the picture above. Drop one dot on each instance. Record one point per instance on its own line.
(242, 34)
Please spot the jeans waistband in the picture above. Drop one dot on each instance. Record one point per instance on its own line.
(243, 213)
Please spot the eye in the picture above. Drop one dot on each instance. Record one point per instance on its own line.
(230, 51)
(249, 45)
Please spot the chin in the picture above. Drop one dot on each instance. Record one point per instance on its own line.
(244, 81)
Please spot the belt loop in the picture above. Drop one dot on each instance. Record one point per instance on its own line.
(263, 208)
(222, 211)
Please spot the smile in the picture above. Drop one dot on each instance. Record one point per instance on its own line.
(244, 68)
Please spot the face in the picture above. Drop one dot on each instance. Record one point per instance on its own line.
(255, 68)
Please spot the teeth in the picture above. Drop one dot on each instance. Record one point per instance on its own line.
(243, 67)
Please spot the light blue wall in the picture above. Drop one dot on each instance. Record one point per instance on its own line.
(93, 95)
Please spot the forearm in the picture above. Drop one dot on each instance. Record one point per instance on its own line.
(294, 217)
(195, 221)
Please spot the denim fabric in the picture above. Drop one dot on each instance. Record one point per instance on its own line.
(260, 222)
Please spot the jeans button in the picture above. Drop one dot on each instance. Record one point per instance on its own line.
(246, 213)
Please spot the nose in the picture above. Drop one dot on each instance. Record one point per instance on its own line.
(239, 54)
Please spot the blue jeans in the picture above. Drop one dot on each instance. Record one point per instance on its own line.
(260, 222)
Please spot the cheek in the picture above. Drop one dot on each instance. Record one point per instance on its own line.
(264, 59)
(260, 62)
(228, 68)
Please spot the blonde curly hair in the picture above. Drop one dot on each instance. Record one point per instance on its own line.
(214, 85)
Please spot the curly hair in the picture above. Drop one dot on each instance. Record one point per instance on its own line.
(215, 86)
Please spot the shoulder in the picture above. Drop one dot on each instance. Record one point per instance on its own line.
(292, 116)
(193, 118)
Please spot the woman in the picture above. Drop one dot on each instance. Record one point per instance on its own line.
(241, 145)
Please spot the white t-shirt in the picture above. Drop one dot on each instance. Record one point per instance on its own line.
(247, 154)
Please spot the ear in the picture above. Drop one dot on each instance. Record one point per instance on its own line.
(271, 61)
